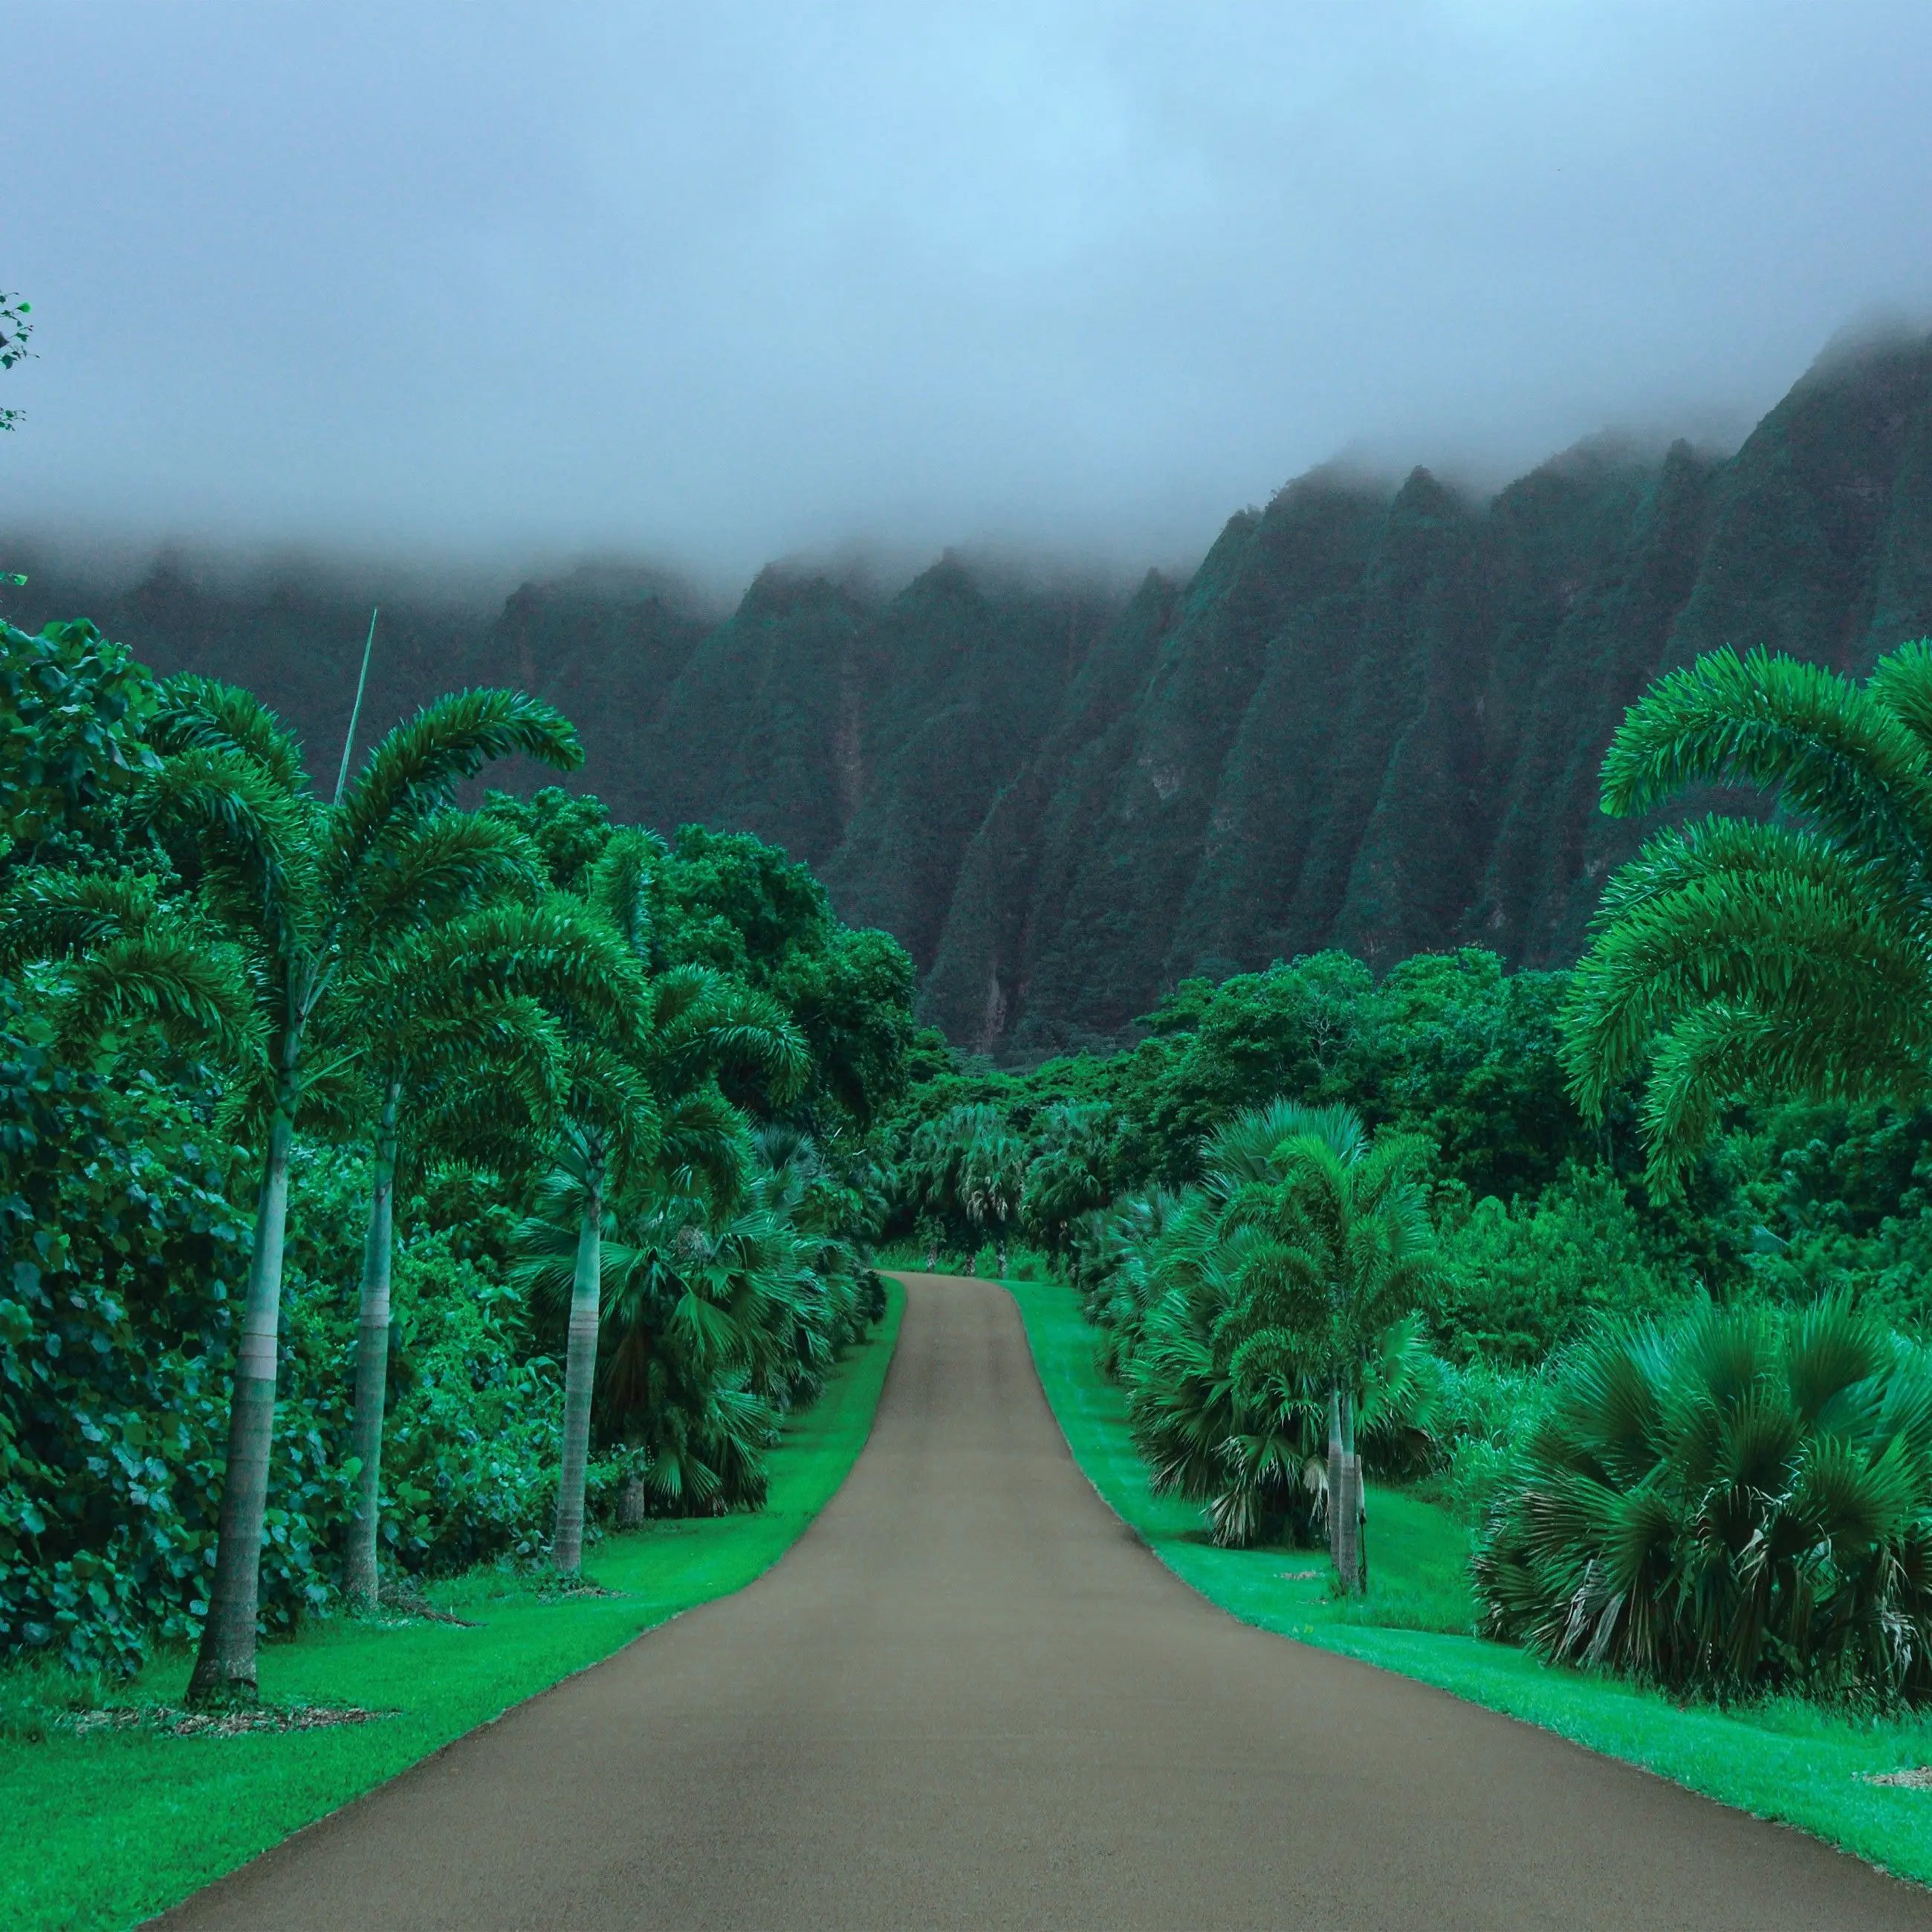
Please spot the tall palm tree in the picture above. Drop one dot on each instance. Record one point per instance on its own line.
(1746, 959)
(461, 1027)
(648, 1102)
(303, 892)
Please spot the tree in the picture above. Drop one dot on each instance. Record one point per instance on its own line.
(649, 1099)
(992, 1176)
(459, 1026)
(74, 710)
(1734, 960)
(1329, 1243)
(968, 1166)
(1066, 1177)
(298, 891)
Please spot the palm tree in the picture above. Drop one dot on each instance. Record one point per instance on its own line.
(1066, 1178)
(1740, 1500)
(992, 1177)
(650, 1101)
(1330, 1243)
(461, 1027)
(300, 892)
(1748, 959)
(968, 1165)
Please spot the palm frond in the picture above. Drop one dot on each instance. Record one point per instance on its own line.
(1834, 751)
(415, 770)
(202, 714)
(193, 994)
(621, 884)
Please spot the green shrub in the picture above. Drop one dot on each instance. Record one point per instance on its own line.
(1741, 1501)
(1519, 1281)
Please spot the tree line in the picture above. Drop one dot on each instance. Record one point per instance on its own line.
(632, 1078)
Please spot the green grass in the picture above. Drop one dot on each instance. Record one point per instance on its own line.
(1783, 1760)
(103, 1831)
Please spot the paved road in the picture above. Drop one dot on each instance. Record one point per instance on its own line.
(968, 1698)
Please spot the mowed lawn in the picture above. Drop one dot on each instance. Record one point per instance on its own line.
(102, 1831)
(1782, 1760)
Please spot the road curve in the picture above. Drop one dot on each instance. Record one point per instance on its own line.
(969, 1698)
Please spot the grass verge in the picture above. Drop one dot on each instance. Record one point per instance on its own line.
(1783, 1760)
(106, 1828)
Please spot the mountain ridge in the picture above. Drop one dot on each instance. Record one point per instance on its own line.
(1373, 716)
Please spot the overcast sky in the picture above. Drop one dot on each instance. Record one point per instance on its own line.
(711, 283)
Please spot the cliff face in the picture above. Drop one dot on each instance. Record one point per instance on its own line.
(1372, 718)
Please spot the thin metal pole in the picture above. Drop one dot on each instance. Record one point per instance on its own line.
(355, 709)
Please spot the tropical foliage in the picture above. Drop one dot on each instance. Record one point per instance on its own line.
(604, 1127)
(1740, 961)
(393, 1028)
(1739, 1500)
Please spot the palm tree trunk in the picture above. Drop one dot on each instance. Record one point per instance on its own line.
(1001, 1253)
(1334, 1502)
(372, 1357)
(224, 1667)
(580, 1368)
(1348, 1505)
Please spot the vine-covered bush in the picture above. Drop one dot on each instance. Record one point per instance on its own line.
(124, 1252)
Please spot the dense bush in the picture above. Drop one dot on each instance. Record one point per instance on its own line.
(1740, 1500)
(1520, 1279)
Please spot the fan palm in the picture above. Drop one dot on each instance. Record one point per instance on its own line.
(1066, 1177)
(1750, 959)
(967, 1165)
(303, 892)
(1742, 1501)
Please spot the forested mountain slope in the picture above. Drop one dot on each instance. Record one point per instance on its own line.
(1372, 717)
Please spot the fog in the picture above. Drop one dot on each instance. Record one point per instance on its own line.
(710, 285)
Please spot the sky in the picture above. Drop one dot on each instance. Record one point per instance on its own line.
(710, 285)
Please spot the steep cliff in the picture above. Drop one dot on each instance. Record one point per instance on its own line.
(1373, 716)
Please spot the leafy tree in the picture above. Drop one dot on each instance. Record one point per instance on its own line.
(73, 709)
(1738, 960)
(1518, 1280)
(571, 830)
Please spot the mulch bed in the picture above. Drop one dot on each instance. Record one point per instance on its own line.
(168, 1721)
(1915, 1778)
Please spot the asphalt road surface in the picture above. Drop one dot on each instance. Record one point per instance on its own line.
(968, 1697)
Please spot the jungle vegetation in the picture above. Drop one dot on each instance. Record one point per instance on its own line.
(421, 1176)
(303, 1098)
(1668, 1352)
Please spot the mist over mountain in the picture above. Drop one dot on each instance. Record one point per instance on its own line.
(1372, 717)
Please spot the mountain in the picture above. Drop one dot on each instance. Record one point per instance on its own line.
(1371, 718)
